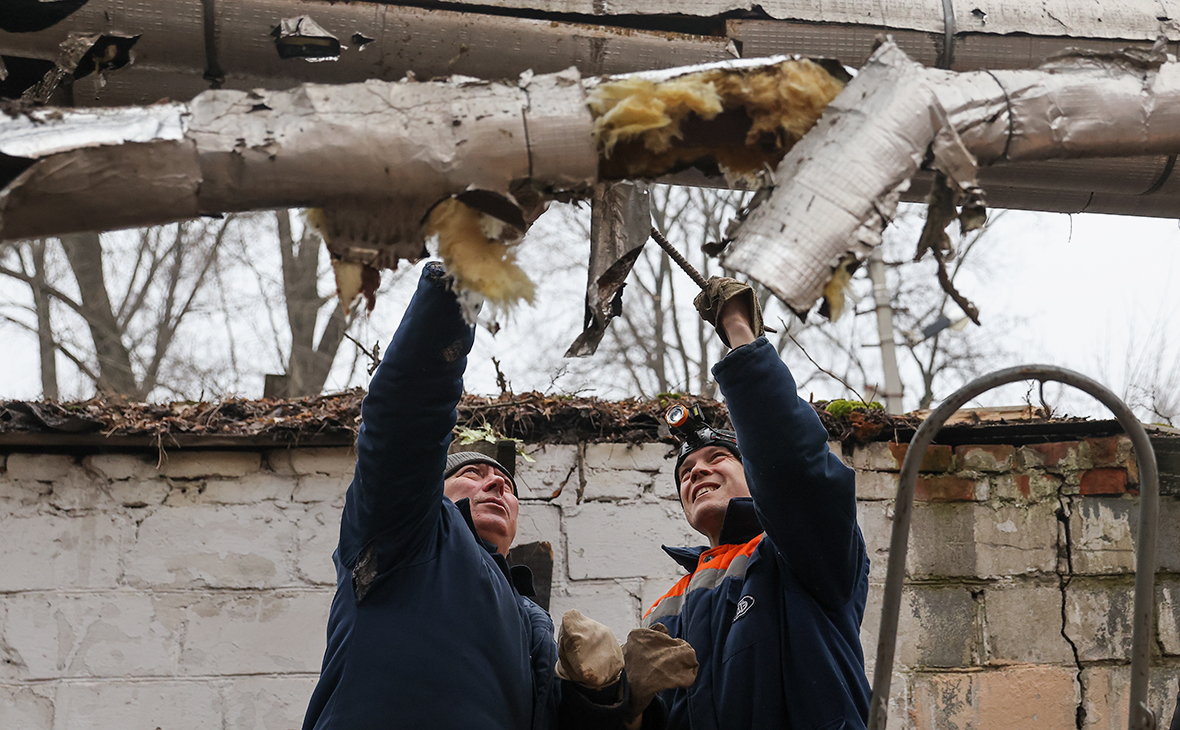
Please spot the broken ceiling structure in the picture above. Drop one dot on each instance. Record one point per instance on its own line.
(272, 103)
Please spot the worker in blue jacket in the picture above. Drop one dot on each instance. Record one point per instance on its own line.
(430, 628)
(773, 605)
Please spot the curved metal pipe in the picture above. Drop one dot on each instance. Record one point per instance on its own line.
(1141, 718)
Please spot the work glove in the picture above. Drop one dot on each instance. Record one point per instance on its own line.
(656, 662)
(587, 653)
(717, 292)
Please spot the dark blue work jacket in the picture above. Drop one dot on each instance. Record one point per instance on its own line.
(774, 611)
(428, 628)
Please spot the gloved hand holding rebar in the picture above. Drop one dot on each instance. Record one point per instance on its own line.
(722, 290)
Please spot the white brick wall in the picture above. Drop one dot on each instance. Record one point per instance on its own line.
(195, 595)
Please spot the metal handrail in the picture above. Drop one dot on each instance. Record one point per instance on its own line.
(1141, 717)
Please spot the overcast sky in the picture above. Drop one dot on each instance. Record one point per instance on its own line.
(1097, 294)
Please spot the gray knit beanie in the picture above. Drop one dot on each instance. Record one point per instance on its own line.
(460, 459)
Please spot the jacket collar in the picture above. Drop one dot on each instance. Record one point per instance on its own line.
(739, 526)
(519, 577)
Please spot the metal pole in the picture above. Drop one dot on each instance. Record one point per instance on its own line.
(894, 390)
(1141, 718)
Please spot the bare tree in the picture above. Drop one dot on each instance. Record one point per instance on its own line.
(659, 344)
(308, 363)
(157, 279)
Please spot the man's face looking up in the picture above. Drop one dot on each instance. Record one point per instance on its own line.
(709, 478)
(494, 507)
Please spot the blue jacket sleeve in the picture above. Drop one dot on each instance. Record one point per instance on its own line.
(804, 495)
(407, 417)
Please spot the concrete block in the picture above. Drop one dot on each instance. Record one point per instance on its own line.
(227, 634)
(1101, 535)
(622, 471)
(78, 489)
(1015, 539)
(121, 467)
(317, 535)
(1168, 545)
(327, 488)
(90, 635)
(139, 493)
(210, 546)
(175, 705)
(1013, 698)
(875, 485)
(1098, 618)
(937, 627)
(1167, 601)
(539, 522)
(260, 486)
(878, 456)
(15, 493)
(554, 469)
(39, 467)
(300, 461)
(1032, 487)
(614, 603)
(1023, 624)
(611, 485)
(1058, 456)
(197, 464)
(638, 457)
(266, 703)
(1109, 450)
(941, 540)
(56, 551)
(607, 540)
(991, 458)
(876, 524)
(27, 708)
(937, 458)
(1108, 689)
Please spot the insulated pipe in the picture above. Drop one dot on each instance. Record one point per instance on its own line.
(1141, 718)
(838, 187)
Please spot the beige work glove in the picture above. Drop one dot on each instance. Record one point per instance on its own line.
(717, 292)
(656, 662)
(587, 653)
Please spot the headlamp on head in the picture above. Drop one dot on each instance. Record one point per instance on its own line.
(694, 432)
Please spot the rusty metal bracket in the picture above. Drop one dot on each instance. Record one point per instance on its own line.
(1141, 718)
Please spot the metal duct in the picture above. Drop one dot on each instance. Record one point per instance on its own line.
(378, 42)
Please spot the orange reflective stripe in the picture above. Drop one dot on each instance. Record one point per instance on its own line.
(712, 567)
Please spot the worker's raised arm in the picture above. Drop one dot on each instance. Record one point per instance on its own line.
(804, 495)
(407, 417)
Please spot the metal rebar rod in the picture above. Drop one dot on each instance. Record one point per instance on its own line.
(678, 258)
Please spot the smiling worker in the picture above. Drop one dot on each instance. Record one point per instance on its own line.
(773, 606)
(430, 628)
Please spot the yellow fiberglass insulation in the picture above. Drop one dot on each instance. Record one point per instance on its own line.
(478, 263)
(732, 121)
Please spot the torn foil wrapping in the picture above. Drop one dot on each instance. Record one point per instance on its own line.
(380, 153)
(620, 224)
(839, 186)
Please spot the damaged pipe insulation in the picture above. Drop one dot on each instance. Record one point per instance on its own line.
(200, 44)
(389, 165)
(836, 190)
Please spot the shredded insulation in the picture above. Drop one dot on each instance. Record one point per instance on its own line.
(471, 248)
(353, 279)
(736, 122)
